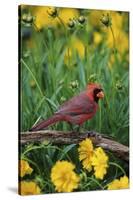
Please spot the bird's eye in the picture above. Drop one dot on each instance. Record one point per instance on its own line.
(97, 90)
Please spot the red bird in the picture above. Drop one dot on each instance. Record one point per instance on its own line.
(76, 110)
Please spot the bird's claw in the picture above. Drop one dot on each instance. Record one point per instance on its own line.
(94, 134)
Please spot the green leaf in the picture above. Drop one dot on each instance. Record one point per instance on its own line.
(66, 150)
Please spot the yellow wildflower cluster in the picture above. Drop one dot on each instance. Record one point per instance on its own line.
(29, 188)
(95, 158)
(122, 183)
(44, 15)
(63, 176)
(121, 37)
(25, 168)
(117, 20)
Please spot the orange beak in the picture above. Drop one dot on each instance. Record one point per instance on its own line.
(100, 95)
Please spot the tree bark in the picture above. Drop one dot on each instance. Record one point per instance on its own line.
(69, 137)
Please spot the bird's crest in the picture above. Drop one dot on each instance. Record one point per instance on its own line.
(92, 86)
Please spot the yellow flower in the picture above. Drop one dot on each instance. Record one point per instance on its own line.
(42, 17)
(116, 184)
(75, 46)
(124, 182)
(94, 17)
(117, 19)
(85, 153)
(68, 13)
(97, 38)
(121, 40)
(79, 47)
(100, 163)
(25, 168)
(29, 188)
(63, 176)
(121, 37)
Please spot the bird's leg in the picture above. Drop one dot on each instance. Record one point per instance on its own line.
(71, 127)
(98, 135)
(75, 130)
(78, 130)
(94, 134)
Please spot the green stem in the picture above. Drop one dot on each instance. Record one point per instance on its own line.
(100, 116)
(94, 180)
(61, 21)
(114, 44)
(33, 76)
(118, 166)
(68, 53)
(44, 43)
(45, 147)
(40, 33)
(67, 38)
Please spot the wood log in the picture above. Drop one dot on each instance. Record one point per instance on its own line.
(69, 137)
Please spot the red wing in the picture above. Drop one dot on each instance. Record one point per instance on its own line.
(80, 104)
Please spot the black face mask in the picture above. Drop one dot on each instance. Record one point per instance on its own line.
(96, 91)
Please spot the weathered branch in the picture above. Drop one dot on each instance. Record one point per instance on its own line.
(61, 137)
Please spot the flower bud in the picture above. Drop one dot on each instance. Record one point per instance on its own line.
(61, 82)
(52, 12)
(74, 84)
(71, 23)
(81, 19)
(119, 85)
(24, 17)
(32, 84)
(106, 20)
(62, 99)
(27, 19)
(92, 78)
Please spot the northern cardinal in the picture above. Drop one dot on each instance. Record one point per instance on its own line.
(76, 110)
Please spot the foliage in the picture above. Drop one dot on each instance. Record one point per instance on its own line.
(59, 55)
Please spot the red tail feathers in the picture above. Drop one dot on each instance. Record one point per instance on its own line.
(46, 123)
